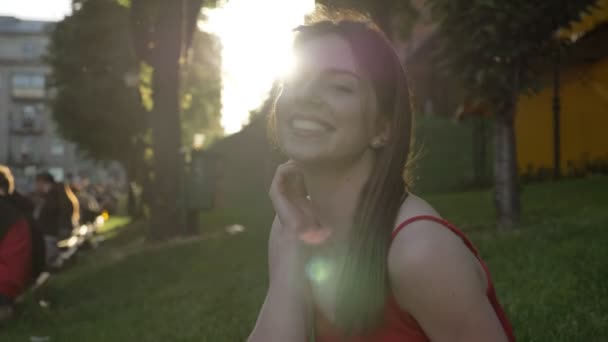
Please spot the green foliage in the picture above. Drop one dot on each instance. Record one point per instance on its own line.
(490, 45)
(90, 55)
(124, 3)
(383, 13)
(201, 90)
(145, 85)
(550, 279)
(151, 22)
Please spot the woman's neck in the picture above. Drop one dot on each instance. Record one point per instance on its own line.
(334, 191)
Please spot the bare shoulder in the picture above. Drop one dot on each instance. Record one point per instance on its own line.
(422, 241)
(427, 245)
(439, 281)
(426, 251)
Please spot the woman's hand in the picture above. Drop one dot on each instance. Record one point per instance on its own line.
(289, 198)
(284, 314)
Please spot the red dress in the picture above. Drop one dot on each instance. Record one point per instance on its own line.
(399, 325)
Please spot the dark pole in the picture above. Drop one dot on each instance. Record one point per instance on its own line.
(556, 118)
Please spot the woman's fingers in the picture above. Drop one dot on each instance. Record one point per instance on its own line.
(314, 236)
(280, 193)
(280, 182)
(288, 195)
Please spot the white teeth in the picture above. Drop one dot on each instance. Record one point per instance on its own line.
(308, 125)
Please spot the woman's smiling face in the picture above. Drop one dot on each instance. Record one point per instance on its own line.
(326, 112)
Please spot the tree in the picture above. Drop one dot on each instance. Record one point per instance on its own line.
(384, 13)
(94, 106)
(495, 48)
(104, 93)
(201, 90)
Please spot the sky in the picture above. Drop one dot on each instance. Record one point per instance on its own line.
(36, 9)
(256, 40)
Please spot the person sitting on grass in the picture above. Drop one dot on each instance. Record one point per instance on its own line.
(26, 208)
(15, 253)
(57, 213)
(353, 255)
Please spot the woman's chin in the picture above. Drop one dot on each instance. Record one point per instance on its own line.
(306, 157)
(310, 157)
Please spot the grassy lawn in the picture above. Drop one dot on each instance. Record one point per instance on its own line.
(551, 274)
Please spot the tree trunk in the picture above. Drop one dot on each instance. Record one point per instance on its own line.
(161, 31)
(165, 122)
(131, 200)
(131, 177)
(506, 185)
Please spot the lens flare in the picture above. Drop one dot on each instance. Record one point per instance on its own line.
(318, 270)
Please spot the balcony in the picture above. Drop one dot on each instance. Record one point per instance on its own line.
(28, 94)
(27, 130)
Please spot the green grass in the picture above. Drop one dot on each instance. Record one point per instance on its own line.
(112, 224)
(551, 274)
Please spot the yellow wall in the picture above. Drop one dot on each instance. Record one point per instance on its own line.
(584, 111)
(584, 120)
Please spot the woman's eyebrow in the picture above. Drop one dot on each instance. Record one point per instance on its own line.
(338, 71)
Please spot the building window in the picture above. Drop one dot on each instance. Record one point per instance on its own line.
(28, 85)
(25, 151)
(28, 50)
(29, 117)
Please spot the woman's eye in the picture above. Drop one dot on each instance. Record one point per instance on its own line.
(343, 88)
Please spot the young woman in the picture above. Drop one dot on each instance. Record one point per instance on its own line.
(354, 256)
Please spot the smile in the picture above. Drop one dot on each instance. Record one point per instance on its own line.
(309, 127)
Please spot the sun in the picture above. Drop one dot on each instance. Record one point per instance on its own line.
(256, 41)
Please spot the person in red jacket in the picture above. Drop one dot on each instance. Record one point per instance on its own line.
(15, 255)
